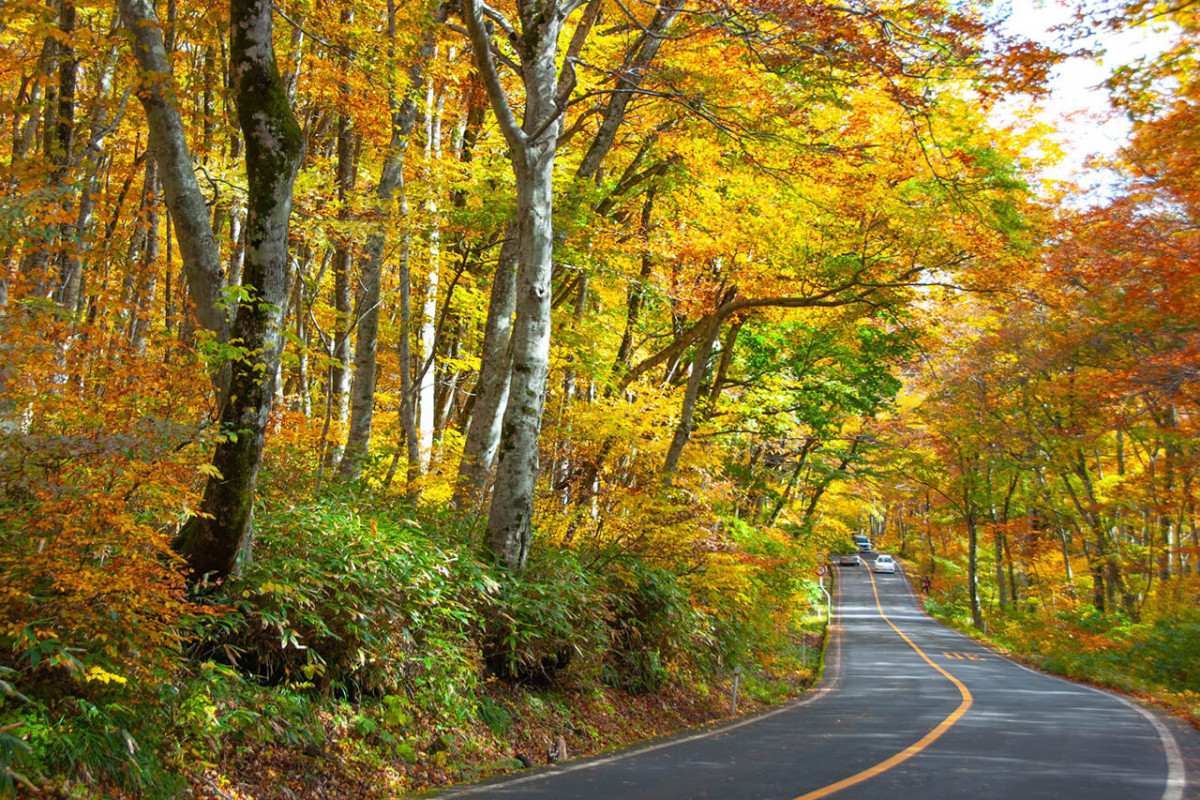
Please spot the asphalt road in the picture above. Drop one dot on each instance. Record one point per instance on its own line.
(909, 710)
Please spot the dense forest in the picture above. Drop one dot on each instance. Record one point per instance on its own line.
(388, 389)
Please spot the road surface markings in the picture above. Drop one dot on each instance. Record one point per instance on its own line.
(962, 656)
(1176, 780)
(916, 747)
(828, 683)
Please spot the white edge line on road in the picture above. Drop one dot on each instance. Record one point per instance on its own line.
(1176, 771)
(827, 685)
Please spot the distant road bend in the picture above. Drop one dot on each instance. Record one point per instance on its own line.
(909, 710)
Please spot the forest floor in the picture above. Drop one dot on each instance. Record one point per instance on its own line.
(513, 728)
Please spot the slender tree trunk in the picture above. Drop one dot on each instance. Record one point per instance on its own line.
(998, 555)
(63, 154)
(28, 136)
(390, 186)
(427, 389)
(999, 521)
(408, 411)
(168, 142)
(343, 289)
(972, 521)
(145, 282)
(718, 383)
(683, 430)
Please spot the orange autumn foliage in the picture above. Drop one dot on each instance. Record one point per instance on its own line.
(97, 449)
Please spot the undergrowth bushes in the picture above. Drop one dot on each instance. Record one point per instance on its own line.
(543, 620)
(352, 604)
(652, 624)
(358, 618)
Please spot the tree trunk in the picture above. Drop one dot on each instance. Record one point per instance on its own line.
(408, 411)
(718, 384)
(63, 156)
(273, 143)
(146, 281)
(683, 430)
(533, 147)
(493, 385)
(168, 142)
(391, 184)
(343, 291)
(971, 515)
(427, 383)
(511, 515)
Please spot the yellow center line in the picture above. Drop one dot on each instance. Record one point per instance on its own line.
(917, 746)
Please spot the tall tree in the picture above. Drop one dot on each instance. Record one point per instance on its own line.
(533, 143)
(212, 540)
(492, 389)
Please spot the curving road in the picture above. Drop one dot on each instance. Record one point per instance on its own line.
(909, 710)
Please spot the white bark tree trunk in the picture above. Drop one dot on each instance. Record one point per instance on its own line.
(343, 284)
(168, 142)
(510, 518)
(533, 147)
(387, 191)
(427, 392)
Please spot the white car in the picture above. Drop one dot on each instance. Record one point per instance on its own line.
(849, 560)
(885, 564)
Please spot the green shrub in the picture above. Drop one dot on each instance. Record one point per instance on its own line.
(100, 743)
(652, 621)
(542, 619)
(495, 716)
(353, 605)
(15, 753)
(1171, 651)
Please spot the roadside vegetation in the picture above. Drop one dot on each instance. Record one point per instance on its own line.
(1153, 659)
(372, 649)
(392, 393)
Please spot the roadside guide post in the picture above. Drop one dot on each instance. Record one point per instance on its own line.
(737, 675)
(804, 641)
(828, 597)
